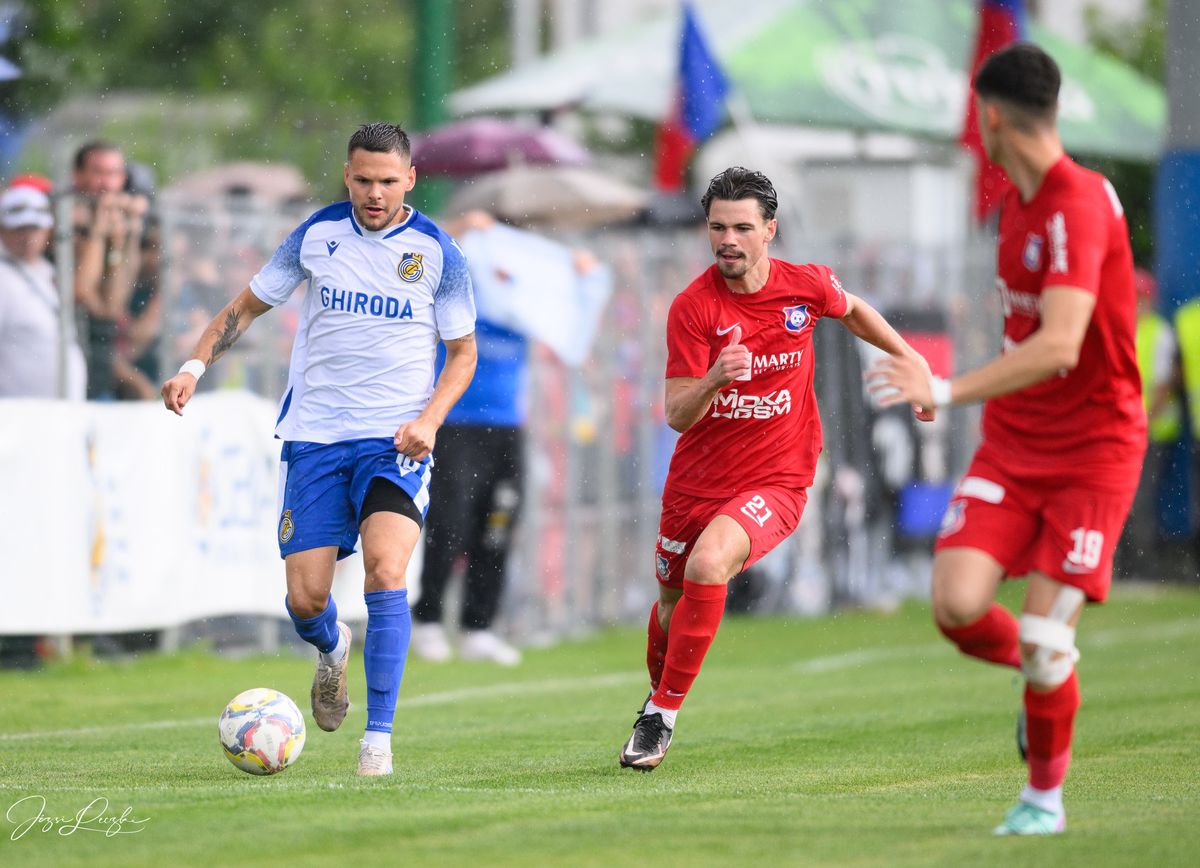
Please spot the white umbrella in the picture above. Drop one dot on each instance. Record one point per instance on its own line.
(566, 196)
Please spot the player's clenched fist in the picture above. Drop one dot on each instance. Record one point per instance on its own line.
(415, 439)
(177, 391)
(733, 362)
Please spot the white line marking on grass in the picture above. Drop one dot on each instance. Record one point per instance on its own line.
(516, 688)
(274, 783)
(1186, 627)
(829, 663)
(850, 659)
(104, 730)
(512, 688)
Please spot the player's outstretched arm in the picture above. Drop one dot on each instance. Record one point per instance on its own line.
(416, 438)
(867, 324)
(1051, 350)
(688, 398)
(221, 334)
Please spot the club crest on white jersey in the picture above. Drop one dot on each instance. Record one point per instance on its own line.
(411, 267)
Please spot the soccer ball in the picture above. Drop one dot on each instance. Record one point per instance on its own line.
(262, 731)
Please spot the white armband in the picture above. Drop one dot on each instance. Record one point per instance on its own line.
(939, 388)
(195, 367)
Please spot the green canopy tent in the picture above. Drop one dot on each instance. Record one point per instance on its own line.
(854, 64)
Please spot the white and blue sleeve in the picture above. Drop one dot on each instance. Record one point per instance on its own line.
(454, 299)
(278, 279)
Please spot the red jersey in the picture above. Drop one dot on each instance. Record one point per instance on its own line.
(1089, 420)
(765, 429)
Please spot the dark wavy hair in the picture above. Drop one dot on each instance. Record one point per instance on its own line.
(381, 138)
(736, 183)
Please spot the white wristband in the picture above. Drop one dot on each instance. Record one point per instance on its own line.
(195, 367)
(939, 387)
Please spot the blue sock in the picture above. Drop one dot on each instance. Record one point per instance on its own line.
(389, 626)
(320, 630)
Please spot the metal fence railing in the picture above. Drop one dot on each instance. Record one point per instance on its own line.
(597, 442)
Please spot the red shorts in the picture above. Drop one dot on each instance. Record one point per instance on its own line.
(1055, 525)
(768, 514)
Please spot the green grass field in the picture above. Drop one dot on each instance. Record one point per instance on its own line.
(854, 740)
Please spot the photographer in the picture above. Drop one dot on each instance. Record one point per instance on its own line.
(109, 223)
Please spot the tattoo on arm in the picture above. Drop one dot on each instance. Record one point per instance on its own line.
(227, 336)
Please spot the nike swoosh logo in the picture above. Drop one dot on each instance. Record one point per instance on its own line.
(673, 693)
(1075, 569)
(722, 332)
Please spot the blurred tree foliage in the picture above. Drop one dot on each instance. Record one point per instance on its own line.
(309, 70)
(1142, 45)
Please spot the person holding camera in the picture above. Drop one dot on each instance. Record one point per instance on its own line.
(109, 224)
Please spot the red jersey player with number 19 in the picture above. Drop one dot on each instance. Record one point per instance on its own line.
(740, 389)
(1064, 429)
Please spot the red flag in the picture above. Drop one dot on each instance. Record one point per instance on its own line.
(1001, 22)
(673, 147)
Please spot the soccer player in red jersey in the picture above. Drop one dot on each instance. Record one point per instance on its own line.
(739, 387)
(1064, 430)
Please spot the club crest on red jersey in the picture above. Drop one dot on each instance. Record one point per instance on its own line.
(796, 318)
(662, 567)
(954, 518)
(1032, 257)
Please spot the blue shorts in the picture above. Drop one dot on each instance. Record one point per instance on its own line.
(322, 486)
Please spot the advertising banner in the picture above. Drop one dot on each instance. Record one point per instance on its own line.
(120, 516)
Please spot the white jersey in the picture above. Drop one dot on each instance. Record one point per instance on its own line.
(376, 306)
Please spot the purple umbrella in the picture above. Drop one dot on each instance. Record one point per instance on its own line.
(480, 145)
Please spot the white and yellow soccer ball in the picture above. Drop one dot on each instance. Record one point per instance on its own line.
(261, 731)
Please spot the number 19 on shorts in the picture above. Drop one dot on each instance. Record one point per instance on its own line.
(1089, 548)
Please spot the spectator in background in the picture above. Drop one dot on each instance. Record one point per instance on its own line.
(474, 507)
(29, 309)
(38, 182)
(135, 362)
(1158, 364)
(109, 223)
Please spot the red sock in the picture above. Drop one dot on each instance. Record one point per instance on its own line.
(993, 637)
(656, 648)
(693, 625)
(1049, 722)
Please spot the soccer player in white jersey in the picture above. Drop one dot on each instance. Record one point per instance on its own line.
(361, 411)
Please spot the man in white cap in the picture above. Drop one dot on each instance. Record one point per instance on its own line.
(29, 310)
